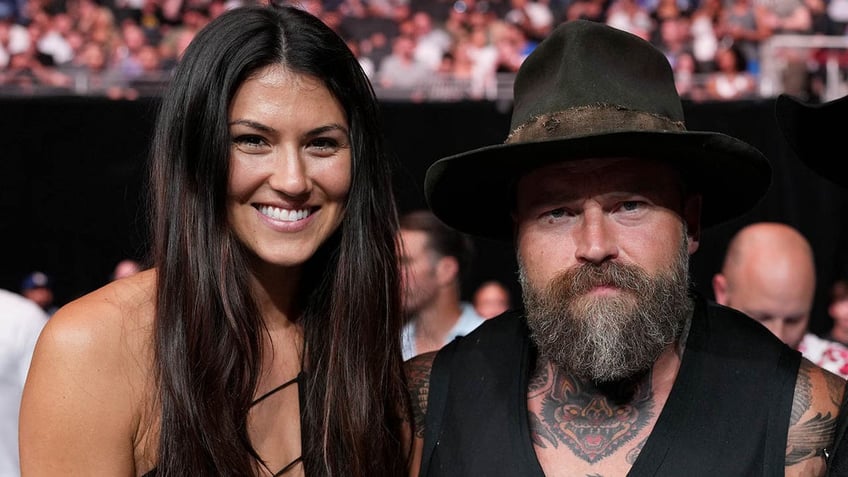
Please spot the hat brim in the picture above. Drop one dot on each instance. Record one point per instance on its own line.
(814, 131)
(473, 191)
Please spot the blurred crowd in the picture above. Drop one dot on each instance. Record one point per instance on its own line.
(418, 49)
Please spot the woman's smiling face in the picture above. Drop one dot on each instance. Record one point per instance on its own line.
(290, 165)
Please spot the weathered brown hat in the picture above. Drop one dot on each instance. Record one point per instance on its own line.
(587, 91)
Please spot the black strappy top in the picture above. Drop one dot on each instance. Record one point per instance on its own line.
(300, 396)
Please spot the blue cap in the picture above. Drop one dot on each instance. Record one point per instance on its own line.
(35, 280)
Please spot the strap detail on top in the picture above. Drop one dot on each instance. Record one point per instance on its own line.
(296, 379)
(288, 467)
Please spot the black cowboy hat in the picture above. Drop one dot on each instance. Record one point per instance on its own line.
(590, 90)
(814, 131)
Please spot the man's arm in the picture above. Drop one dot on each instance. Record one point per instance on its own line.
(812, 426)
(418, 382)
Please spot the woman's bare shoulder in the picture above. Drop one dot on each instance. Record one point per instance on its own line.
(107, 319)
(89, 383)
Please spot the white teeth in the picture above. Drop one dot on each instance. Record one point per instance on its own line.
(284, 215)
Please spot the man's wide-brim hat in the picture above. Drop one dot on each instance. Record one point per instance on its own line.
(591, 91)
(815, 132)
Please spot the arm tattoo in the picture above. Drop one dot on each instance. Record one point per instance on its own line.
(803, 396)
(808, 438)
(418, 384)
(836, 388)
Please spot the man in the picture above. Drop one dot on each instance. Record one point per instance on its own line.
(617, 367)
(491, 299)
(837, 309)
(21, 321)
(433, 258)
(38, 287)
(769, 274)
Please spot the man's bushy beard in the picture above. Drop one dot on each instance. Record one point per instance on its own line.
(608, 338)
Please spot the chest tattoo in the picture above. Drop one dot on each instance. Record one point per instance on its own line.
(593, 423)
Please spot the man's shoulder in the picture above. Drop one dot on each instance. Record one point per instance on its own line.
(740, 335)
(504, 326)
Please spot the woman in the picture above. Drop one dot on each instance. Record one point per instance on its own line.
(265, 338)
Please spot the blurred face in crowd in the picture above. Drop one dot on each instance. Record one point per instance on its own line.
(769, 274)
(43, 296)
(838, 308)
(603, 259)
(419, 271)
(491, 299)
(290, 165)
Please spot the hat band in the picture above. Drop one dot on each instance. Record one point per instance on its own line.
(589, 120)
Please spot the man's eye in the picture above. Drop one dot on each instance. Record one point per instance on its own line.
(631, 205)
(557, 213)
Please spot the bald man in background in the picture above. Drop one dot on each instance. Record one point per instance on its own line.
(769, 274)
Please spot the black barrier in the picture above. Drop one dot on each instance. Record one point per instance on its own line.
(72, 178)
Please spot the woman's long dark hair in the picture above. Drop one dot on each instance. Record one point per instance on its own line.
(208, 329)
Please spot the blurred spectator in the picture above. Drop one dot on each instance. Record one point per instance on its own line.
(668, 9)
(375, 47)
(401, 70)
(630, 16)
(9, 9)
(53, 40)
(769, 274)
(93, 74)
(838, 311)
(512, 47)
(64, 30)
(788, 16)
(365, 62)
(431, 41)
(533, 17)
(593, 10)
(14, 39)
(731, 80)
(125, 54)
(673, 38)
(744, 25)
(21, 322)
(95, 21)
(687, 78)
(125, 268)
(152, 74)
(702, 30)
(491, 299)
(434, 259)
(484, 62)
(38, 287)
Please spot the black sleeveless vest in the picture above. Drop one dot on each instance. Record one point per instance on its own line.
(727, 414)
